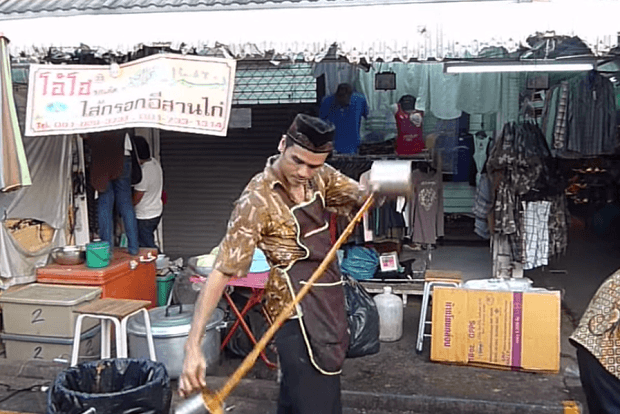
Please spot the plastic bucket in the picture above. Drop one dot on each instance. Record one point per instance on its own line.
(98, 254)
(164, 286)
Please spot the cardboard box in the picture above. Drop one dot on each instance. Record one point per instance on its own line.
(510, 330)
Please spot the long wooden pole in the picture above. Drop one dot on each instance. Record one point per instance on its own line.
(214, 402)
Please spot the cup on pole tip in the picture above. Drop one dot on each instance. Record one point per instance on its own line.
(391, 178)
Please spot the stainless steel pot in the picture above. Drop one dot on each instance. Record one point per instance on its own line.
(170, 326)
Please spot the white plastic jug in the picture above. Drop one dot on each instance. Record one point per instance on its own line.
(390, 308)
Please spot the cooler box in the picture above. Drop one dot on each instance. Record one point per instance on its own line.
(45, 310)
(47, 348)
(117, 280)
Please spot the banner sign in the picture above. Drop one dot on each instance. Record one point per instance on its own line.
(168, 91)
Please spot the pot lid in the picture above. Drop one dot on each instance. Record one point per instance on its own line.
(50, 294)
(171, 321)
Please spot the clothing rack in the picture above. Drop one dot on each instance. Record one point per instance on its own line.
(364, 162)
(523, 144)
(354, 164)
(422, 156)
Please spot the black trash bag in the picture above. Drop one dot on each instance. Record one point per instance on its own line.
(551, 47)
(363, 319)
(136, 386)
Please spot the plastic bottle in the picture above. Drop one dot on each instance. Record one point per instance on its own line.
(390, 308)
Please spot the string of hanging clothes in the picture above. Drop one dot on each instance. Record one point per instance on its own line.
(579, 116)
(528, 214)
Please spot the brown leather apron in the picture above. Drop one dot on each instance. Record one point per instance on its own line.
(322, 313)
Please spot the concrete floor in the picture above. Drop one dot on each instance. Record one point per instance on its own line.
(475, 262)
(400, 375)
(589, 259)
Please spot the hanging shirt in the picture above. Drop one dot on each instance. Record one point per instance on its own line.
(561, 122)
(479, 93)
(447, 142)
(368, 233)
(439, 92)
(335, 74)
(107, 149)
(410, 135)
(347, 119)
(548, 115)
(428, 206)
(483, 206)
(591, 115)
(481, 144)
(536, 237)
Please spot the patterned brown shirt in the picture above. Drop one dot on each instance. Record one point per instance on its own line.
(598, 328)
(261, 218)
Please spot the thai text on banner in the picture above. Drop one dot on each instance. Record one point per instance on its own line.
(168, 91)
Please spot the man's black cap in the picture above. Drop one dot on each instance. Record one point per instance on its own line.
(314, 134)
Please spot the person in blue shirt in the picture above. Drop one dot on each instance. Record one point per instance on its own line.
(345, 110)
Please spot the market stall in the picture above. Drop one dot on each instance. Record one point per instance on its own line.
(503, 143)
(440, 34)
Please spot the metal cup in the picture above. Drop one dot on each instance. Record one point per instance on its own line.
(391, 178)
(192, 405)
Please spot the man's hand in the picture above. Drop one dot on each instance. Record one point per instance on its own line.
(194, 371)
(364, 189)
(194, 365)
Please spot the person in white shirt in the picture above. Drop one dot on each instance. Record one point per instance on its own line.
(147, 194)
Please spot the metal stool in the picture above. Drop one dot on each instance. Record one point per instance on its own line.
(117, 311)
(433, 278)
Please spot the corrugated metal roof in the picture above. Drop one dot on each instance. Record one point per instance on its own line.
(12, 9)
(384, 30)
(43, 6)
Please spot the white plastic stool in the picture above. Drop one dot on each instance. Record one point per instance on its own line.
(433, 278)
(117, 311)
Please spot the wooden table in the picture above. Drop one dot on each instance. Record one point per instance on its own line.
(406, 287)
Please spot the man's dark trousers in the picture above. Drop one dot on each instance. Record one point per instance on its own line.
(303, 389)
(146, 231)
